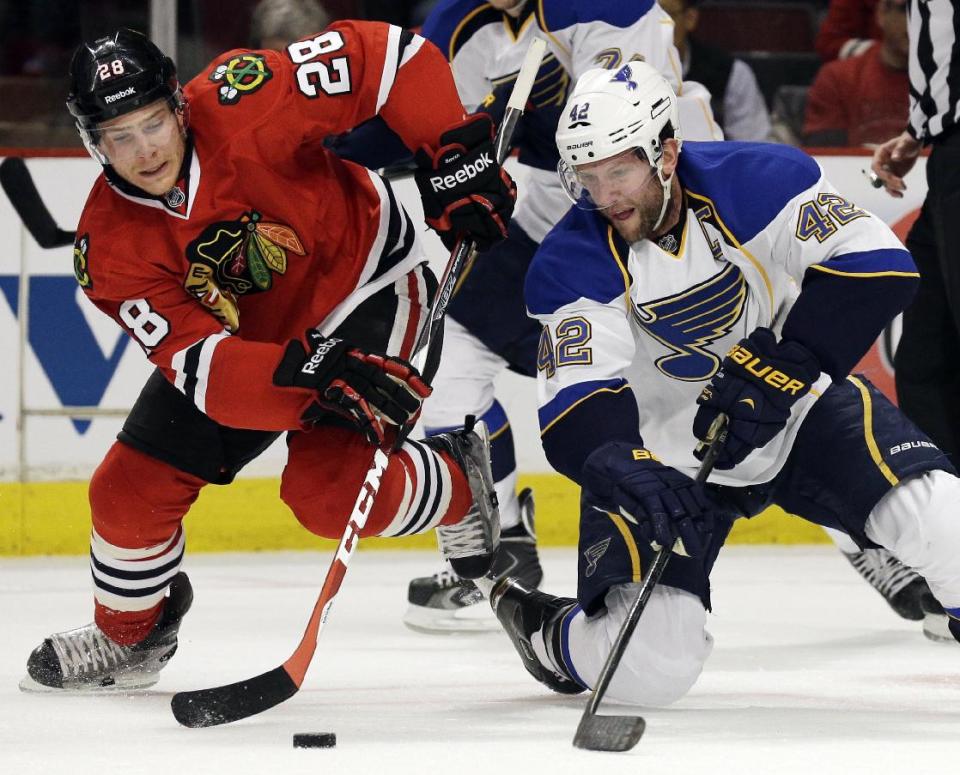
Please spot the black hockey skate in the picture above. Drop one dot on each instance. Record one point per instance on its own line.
(523, 612)
(905, 591)
(470, 545)
(86, 660)
(446, 603)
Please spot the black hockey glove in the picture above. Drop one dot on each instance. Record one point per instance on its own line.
(465, 192)
(757, 385)
(365, 387)
(662, 502)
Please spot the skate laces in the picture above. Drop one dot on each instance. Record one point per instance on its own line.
(83, 650)
(464, 539)
(446, 579)
(884, 571)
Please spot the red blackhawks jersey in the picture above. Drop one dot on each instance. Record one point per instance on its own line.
(266, 234)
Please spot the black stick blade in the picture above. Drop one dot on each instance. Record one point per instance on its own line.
(224, 704)
(16, 181)
(608, 733)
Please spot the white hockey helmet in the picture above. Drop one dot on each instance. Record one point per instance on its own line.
(611, 111)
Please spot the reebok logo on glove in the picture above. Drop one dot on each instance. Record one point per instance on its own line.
(763, 371)
(314, 362)
(467, 172)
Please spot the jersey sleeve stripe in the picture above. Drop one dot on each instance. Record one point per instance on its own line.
(192, 368)
(885, 262)
(410, 48)
(390, 65)
(568, 398)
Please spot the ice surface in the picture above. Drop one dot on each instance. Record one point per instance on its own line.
(811, 674)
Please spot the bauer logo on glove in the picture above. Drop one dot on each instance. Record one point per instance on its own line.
(754, 365)
(757, 385)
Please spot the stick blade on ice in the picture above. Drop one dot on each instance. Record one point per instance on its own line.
(609, 733)
(225, 704)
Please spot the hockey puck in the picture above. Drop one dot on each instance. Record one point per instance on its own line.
(315, 740)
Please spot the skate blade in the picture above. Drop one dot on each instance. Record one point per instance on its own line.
(432, 621)
(935, 628)
(29, 686)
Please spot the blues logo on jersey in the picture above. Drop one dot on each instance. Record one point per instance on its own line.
(689, 321)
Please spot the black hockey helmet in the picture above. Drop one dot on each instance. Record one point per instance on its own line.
(117, 74)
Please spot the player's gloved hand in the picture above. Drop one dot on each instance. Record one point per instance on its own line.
(465, 192)
(758, 383)
(367, 388)
(662, 502)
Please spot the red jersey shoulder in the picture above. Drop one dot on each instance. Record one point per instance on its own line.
(325, 81)
(241, 79)
(109, 262)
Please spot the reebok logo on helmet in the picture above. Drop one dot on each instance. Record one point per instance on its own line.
(120, 95)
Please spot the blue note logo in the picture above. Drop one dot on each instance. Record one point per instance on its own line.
(689, 321)
(625, 75)
(592, 555)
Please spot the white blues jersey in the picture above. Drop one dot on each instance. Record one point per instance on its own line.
(486, 48)
(760, 223)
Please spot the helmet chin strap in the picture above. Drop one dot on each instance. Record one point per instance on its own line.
(665, 185)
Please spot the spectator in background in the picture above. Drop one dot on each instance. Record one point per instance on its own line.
(275, 24)
(736, 100)
(863, 99)
(848, 29)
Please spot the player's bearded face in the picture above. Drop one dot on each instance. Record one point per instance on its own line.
(624, 188)
(146, 146)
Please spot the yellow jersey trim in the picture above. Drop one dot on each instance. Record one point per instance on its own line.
(621, 265)
(500, 431)
(577, 403)
(636, 570)
(542, 24)
(451, 49)
(868, 433)
(523, 27)
(736, 243)
(891, 273)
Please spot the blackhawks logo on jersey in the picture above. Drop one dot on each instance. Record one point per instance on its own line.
(80, 261)
(241, 75)
(231, 258)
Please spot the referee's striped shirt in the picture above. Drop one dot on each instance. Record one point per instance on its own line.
(934, 67)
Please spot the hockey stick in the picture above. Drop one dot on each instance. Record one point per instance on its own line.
(621, 733)
(223, 704)
(17, 183)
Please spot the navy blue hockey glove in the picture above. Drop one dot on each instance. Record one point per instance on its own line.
(757, 385)
(665, 504)
(366, 388)
(465, 192)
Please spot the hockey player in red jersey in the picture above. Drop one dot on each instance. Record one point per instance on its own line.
(276, 289)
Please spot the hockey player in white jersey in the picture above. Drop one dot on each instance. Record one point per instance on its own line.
(694, 279)
(487, 328)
